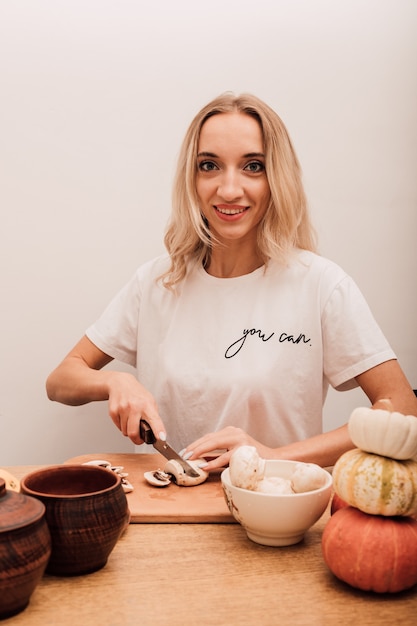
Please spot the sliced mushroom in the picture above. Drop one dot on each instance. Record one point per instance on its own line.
(181, 478)
(12, 483)
(99, 463)
(117, 469)
(158, 478)
(127, 486)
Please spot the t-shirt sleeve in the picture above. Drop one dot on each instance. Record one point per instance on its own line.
(115, 331)
(353, 342)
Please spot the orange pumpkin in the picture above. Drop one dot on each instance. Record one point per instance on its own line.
(371, 552)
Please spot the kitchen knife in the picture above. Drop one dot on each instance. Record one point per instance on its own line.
(162, 447)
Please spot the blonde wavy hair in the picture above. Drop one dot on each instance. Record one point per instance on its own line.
(286, 224)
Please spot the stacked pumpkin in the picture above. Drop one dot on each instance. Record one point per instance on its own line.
(370, 540)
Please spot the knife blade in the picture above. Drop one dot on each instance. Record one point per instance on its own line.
(162, 446)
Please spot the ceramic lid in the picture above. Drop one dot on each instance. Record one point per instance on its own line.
(17, 510)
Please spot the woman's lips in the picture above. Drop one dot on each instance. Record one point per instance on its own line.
(230, 209)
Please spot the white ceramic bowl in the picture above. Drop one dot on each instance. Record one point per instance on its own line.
(276, 519)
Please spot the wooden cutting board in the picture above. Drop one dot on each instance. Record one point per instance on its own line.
(203, 503)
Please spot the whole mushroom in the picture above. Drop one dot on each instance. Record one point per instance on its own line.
(246, 467)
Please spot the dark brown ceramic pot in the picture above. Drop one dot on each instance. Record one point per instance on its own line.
(86, 512)
(25, 547)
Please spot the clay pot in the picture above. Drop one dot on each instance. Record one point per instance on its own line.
(86, 512)
(25, 547)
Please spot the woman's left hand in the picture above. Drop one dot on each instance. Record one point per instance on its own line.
(225, 440)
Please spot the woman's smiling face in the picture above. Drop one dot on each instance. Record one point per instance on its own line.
(232, 186)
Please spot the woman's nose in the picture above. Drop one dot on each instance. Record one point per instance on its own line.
(230, 186)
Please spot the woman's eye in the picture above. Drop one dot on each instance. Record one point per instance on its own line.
(207, 166)
(254, 167)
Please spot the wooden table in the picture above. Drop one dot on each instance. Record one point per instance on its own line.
(209, 574)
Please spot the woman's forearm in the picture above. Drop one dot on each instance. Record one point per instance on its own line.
(79, 378)
(74, 383)
(322, 449)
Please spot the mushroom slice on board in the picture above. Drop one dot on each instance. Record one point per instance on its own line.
(158, 478)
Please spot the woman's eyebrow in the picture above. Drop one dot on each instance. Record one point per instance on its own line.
(249, 155)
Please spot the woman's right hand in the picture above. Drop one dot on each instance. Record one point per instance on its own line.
(129, 402)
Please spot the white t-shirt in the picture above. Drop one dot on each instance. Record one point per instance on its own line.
(257, 351)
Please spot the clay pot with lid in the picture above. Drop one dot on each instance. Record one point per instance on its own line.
(25, 548)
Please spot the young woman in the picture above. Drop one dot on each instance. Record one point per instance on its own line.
(237, 332)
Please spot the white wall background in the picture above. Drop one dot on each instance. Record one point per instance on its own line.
(95, 98)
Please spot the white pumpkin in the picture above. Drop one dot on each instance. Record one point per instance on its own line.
(376, 484)
(387, 433)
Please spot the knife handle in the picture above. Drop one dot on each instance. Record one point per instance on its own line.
(145, 432)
